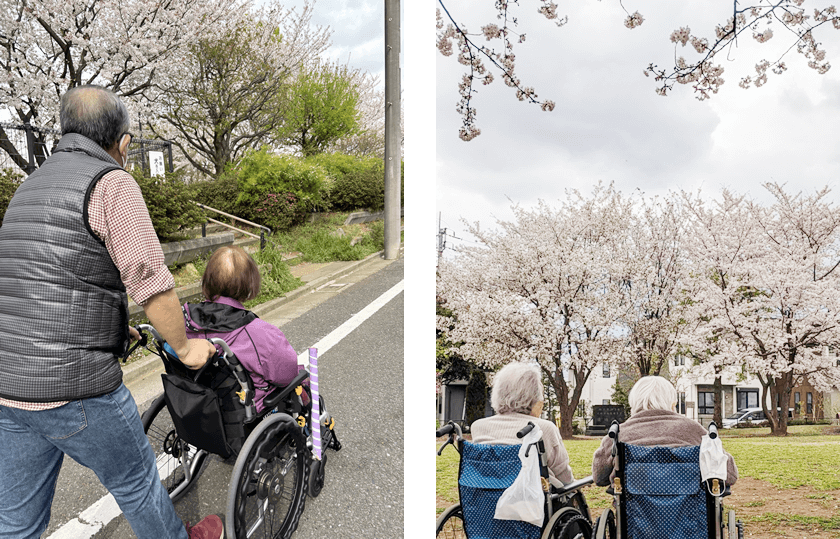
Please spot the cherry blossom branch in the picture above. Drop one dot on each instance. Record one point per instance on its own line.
(470, 52)
(706, 77)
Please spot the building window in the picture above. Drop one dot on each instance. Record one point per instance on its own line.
(681, 404)
(679, 360)
(606, 371)
(605, 401)
(747, 398)
(796, 400)
(706, 402)
(809, 403)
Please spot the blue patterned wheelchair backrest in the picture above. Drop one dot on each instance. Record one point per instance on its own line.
(664, 494)
(486, 471)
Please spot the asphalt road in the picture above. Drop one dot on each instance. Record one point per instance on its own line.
(361, 379)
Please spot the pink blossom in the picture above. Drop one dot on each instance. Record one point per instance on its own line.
(764, 36)
(681, 36)
(634, 20)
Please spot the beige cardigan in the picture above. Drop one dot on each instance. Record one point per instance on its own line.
(501, 429)
(650, 428)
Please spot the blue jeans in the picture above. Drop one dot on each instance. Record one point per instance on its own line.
(103, 433)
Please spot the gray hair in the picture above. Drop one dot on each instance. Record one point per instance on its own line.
(652, 393)
(517, 387)
(95, 112)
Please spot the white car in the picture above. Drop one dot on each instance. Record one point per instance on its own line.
(751, 415)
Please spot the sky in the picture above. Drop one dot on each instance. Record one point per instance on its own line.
(358, 37)
(609, 125)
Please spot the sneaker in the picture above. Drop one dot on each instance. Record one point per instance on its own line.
(209, 528)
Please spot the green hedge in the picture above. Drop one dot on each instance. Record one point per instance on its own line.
(358, 182)
(169, 204)
(10, 180)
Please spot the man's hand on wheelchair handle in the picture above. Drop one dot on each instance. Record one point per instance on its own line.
(197, 353)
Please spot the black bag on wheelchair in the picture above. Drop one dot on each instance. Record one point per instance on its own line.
(206, 411)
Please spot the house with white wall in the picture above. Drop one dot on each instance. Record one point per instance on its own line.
(696, 393)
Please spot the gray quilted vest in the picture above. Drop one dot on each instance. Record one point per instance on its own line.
(63, 307)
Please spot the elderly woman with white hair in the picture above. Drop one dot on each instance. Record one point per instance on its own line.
(517, 398)
(653, 421)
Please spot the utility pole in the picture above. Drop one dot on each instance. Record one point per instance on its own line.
(441, 240)
(393, 153)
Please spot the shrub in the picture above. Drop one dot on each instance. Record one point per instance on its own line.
(261, 174)
(10, 180)
(220, 193)
(358, 182)
(280, 211)
(169, 204)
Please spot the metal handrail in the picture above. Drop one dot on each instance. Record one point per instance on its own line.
(264, 230)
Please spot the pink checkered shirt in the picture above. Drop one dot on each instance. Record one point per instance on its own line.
(118, 215)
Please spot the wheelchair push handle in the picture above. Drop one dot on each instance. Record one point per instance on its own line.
(525, 430)
(613, 432)
(246, 396)
(713, 432)
(451, 429)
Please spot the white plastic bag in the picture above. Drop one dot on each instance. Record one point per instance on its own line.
(712, 459)
(524, 499)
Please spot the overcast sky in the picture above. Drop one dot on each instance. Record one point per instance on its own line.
(610, 125)
(358, 31)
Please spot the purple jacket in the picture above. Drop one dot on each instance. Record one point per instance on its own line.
(262, 348)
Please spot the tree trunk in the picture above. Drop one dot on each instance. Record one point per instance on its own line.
(778, 389)
(718, 415)
(566, 402)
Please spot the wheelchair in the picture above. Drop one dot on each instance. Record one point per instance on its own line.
(211, 411)
(658, 492)
(485, 472)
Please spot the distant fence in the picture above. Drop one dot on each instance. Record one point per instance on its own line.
(25, 147)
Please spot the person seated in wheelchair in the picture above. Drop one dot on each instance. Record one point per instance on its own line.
(517, 398)
(653, 422)
(231, 278)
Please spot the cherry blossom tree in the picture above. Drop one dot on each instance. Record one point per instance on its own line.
(545, 288)
(49, 46)
(230, 93)
(653, 289)
(767, 296)
(722, 239)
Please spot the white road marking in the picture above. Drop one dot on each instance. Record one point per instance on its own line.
(97, 516)
(347, 327)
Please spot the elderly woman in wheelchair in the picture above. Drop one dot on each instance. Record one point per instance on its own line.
(654, 472)
(495, 472)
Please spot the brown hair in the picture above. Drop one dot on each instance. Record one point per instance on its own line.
(231, 272)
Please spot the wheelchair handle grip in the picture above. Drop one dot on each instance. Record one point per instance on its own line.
(444, 430)
(713, 432)
(149, 328)
(613, 432)
(525, 430)
(229, 355)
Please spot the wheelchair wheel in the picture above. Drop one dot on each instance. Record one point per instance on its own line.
(567, 523)
(267, 487)
(450, 523)
(316, 476)
(179, 464)
(605, 526)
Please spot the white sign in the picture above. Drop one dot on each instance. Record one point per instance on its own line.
(156, 165)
